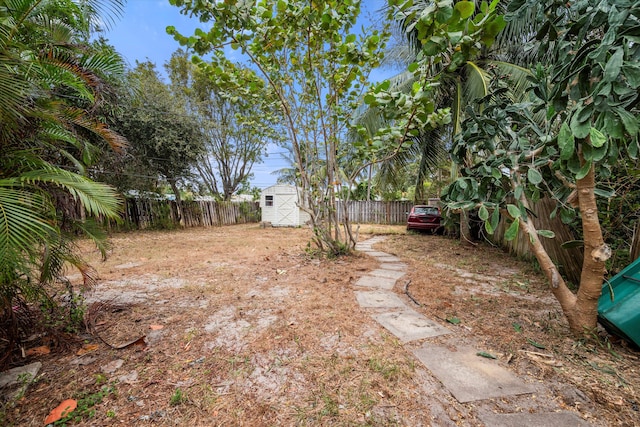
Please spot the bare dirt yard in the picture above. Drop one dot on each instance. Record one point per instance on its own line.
(241, 326)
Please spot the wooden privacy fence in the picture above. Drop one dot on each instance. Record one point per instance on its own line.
(145, 213)
(568, 260)
(375, 212)
(142, 214)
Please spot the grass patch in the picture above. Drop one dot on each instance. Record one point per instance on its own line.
(177, 398)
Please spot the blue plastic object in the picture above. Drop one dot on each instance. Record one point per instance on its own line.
(619, 305)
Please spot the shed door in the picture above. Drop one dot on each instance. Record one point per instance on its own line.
(286, 204)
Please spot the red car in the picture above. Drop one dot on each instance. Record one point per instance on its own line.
(423, 217)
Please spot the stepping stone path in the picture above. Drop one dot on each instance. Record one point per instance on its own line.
(467, 376)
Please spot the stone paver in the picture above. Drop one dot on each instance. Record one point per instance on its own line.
(467, 376)
(409, 325)
(393, 266)
(545, 419)
(376, 282)
(391, 274)
(470, 377)
(367, 245)
(21, 376)
(375, 253)
(388, 258)
(378, 299)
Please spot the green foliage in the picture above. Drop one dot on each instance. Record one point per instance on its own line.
(177, 398)
(249, 212)
(450, 35)
(50, 84)
(621, 212)
(86, 405)
(591, 117)
(236, 128)
(579, 122)
(308, 57)
(162, 216)
(161, 134)
(449, 87)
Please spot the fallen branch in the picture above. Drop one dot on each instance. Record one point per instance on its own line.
(406, 291)
(546, 359)
(536, 353)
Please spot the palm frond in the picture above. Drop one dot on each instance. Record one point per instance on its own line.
(18, 12)
(95, 198)
(13, 90)
(60, 72)
(80, 118)
(50, 88)
(517, 77)
(95, 232)
(476, 82)
(25, 222)
(31, 172)
(104, 64)
(398, 56)
(58, 32)
(54, 131)
(104, 12)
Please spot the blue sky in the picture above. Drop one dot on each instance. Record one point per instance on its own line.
(140, 35)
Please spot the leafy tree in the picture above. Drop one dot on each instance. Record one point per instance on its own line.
(457, 87)
(121, 169)
(308, 56)
(588, 94)
(162, 135)
(237, 130)
(49, 84)
(444, 40)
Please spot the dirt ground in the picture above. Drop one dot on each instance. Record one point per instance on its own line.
(242, 327)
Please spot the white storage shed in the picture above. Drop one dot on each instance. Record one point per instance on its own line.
(280, 206)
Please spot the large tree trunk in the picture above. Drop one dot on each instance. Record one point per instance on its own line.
(465, 231)
(559, 288)
(581, 309)
(596, 252)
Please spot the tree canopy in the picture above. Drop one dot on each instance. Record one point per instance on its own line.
(309, 56)
(585, 89)
(159, 128)
(50, 84)
(236, 129)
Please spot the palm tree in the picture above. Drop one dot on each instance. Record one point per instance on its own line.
(467, 84)
(457, 89)
(49, 85)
